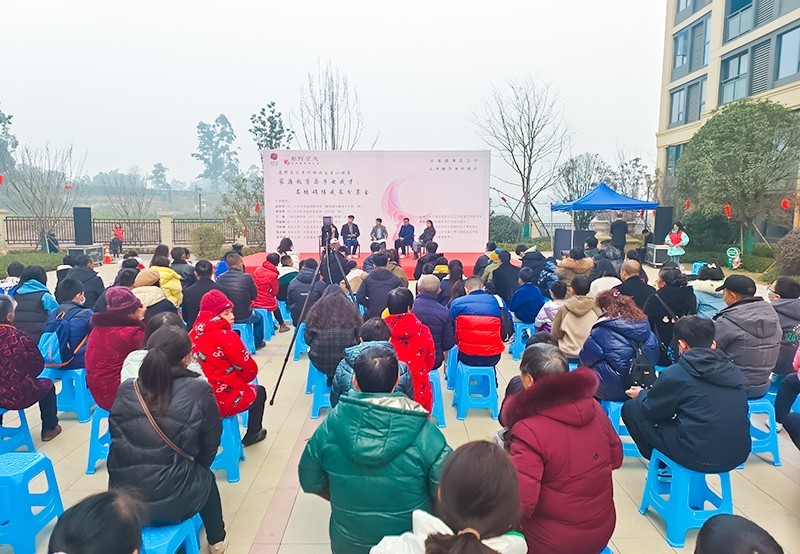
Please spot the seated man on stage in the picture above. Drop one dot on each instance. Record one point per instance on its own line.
(350, 234)
(406, 239)
(379, 234)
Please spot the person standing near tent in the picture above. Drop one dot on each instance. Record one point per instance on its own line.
(619, 233)
(676, 240)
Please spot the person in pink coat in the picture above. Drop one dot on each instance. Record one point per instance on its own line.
(266, 278)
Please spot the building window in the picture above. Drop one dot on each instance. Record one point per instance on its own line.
(678, 107)
(684, 4)
(707, 45)
(703, 87)
(740, 18)
(734, 78)
(789, 54)
(673, 155)
(681, 49)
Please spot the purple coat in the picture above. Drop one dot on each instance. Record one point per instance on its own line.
(20, 365)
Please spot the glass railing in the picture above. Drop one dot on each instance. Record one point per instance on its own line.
(734, 88)
(739, 22)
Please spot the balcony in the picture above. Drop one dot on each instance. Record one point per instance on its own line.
(739, 22)
(734, 88)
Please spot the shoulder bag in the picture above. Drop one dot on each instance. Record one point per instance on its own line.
(158, 430)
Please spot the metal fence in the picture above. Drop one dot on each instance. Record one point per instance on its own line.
(24, 230)
(182, 229)
(138, 232)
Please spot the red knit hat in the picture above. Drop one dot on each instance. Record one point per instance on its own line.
(121, 301)
(215, 301)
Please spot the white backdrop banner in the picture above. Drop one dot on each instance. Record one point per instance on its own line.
(451, 188)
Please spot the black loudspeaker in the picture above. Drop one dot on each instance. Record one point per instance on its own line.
(82, 218)
(663, 224)
(562, 240)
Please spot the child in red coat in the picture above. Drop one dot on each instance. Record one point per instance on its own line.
(227, 364)
(266, 278)
(413, 342)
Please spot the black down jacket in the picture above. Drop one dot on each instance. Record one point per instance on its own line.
(173, 487)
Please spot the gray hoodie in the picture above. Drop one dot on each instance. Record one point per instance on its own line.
(750, 333)
(788, 310)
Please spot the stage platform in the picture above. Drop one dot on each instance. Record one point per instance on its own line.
(408, 264)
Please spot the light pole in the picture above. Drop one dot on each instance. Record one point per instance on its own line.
(200, 201)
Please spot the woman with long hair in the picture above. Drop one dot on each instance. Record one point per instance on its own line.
(673, 300)
(166, 456)
(285, 249)
(477, 512)
(455, 273)
(161, 250)
(393, 265)
(332, 325)
(425, 237)
(576, 264)
(613, 342)
(676, 240)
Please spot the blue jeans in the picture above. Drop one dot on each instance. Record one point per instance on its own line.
(258, 327)
(351, 245)
(676, 259)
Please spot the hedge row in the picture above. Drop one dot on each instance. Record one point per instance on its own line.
(48, 261)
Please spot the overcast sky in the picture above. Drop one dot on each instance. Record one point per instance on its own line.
(127, 82)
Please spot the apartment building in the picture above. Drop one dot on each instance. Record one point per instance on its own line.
(718, 51)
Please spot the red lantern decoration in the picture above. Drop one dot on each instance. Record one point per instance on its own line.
(784, 203)
(2, 178)
(503, 198)
(728, 212)
(687, 205)
(258, 207)
(67, 187)
(227, 220)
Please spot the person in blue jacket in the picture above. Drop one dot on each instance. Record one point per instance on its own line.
(34, 302)
(70, 297)
(527, 300)
(609, 349)
(406, 239)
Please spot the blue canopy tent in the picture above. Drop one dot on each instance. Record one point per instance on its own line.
(602, 198)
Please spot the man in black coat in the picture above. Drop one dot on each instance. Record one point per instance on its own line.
(619, 233)
(303, 287)
(350, 234)
(429, 258)
(696, 413)
(374, 290)
(484, 260)
(194, 293)
(632, 284)
(333, 264)
(240, 288)
(84, 272)
(182, 267)
(505, 279)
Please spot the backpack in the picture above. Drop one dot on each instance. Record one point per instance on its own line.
(641, 372)
(54, 343)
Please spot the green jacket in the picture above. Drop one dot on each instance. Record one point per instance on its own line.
(379, 458)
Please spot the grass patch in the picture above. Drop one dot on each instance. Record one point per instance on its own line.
(48, 261)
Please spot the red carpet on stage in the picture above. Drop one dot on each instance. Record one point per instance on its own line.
(408, 264)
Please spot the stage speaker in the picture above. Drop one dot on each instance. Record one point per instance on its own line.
(663, 223)
(82, 218)
(562, 241)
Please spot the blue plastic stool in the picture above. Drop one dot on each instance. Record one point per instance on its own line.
(74, 396)
(287, 315)
(686, 496)
(19, 525)
(572, 366)
(607, 550)
(697, 266)
(322, 392)
(451, 368)
(245, 331)
(232, 450)
(613, 410)
(300, 346)
(269, 323)
(98, 444)
(517, 347)
(764, 441)
(12, 438)
(467, 397)
(173, 538)
(437, 410)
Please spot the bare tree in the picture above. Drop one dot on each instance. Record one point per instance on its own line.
(43, 183)
(524, 123)
(576, 177)
(631, 177)
(128, 193)
(330, 112)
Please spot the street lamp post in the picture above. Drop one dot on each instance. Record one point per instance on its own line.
(200, 201)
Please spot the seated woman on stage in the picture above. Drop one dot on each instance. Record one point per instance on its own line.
(427, 235)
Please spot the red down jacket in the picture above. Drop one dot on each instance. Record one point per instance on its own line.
(266, 278)
(478, 324)
(564, 448)
(114, 337)
(226, 363)
(414, 345)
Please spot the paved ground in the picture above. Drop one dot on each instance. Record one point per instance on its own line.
(267, 513)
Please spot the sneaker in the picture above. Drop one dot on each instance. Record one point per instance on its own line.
(248, 440)
(284, 328)
(218, 548)
(50, 434)
(665, 475)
